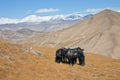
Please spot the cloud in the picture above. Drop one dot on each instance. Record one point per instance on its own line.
(96, 10)
(93, 10)
(45, 10)
(35, 18)
(31, 18)
(8, 21)
(118, 10)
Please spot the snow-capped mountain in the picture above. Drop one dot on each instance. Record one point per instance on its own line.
(41, 23)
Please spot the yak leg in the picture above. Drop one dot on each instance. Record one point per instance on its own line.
(82, 60)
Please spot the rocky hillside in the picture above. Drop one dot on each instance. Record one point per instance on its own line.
(20, 31)
(16, 36)
(17, 64)
(99, 34)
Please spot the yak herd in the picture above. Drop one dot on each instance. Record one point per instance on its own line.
(67, 55)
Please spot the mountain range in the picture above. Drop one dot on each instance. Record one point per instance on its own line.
(20, 31)
(38, 23)
(98, 34)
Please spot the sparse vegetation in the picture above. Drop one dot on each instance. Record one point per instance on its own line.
(16, 64)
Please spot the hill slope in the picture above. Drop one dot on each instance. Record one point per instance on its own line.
(16, 36)
(98, 34)
(16, 64)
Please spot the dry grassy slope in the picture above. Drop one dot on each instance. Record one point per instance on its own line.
(98, 34)
(15, 64)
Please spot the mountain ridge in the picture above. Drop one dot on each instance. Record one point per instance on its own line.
(55, 23)
(98, 34)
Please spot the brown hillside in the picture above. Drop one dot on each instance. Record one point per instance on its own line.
(16, 64)
(99, 34)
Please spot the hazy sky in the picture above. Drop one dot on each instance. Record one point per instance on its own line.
(17, 11)
(23, 8)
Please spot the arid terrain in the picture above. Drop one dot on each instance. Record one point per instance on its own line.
(34, 57)
(59, 39)
(98, 34)
(17, 62)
